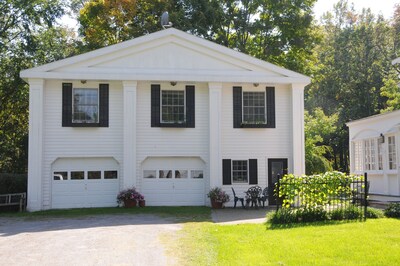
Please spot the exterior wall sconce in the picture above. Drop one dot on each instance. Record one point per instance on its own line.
(173, 83)
(83, 81)
(255, 84)
(382, 138)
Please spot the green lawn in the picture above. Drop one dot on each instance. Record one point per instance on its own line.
(375, 242)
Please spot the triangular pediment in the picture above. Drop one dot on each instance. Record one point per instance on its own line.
(166, 55)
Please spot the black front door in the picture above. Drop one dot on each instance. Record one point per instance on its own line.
(275, 167)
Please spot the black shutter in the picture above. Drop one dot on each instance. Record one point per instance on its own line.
(155, 105)
(237, 107)
(270, 92)
(103, 105)
(253, 172)
(66, 104)
(190, 107)
(226, 171)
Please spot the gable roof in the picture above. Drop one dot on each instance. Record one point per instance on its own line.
(166, 55)
(374, 118)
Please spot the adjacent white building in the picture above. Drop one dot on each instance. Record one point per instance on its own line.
(169, 113)
(374, 149)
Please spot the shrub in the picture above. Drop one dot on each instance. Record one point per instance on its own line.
(314, 214)
(374, 213)
(129, 194)
(352, 213)
(282, 216)
(13, 183)
(393, 210)
(337, 214)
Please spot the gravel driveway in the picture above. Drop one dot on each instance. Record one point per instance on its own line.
(97, 240)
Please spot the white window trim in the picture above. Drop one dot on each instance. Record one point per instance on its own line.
(184, 106)
(235, 182)
(265, 105)
(73, 106)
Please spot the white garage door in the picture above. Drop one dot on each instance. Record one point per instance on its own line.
(173, 182)
(82, 183)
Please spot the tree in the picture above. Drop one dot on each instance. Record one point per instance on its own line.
(354, 58)
(281, 32)
(318, 131)
(23, 25)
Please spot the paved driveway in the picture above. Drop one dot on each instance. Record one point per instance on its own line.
(97, 240)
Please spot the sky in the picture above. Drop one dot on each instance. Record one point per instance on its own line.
(385, 7)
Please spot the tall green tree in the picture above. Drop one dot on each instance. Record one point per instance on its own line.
(354, 59)
(24, 29)
(281, 32)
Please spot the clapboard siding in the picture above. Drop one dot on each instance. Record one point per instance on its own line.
(257, 143)
(156, 141)
(61, 141)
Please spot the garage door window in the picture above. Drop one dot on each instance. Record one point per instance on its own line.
(181, 174)
(77, 175)
(60, 176)
(197, 174)
(149, 173)
(94, 174)
(165, 174)
(110, 174)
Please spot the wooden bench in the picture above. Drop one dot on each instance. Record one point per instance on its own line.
(15, 199)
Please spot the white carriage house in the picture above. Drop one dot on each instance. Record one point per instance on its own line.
(169, 113)
(374, 149)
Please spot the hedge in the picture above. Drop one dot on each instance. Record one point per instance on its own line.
(13, 183)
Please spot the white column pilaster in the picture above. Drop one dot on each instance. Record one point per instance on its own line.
(35, 157)
(129, 164)
(298, 129)
(215, 98)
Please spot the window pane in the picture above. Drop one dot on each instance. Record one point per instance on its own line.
(60, 176)
(239, 171)
(173, 106)
(165, 174)
(77, 175)
(181, 174)
(86, 106)
(254, 107)
(110, 174)
(149, 173)
(392, 153)
(94, 174)
(198, 174)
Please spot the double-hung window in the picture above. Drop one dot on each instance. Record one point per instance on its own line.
(358, 153)
(254, 108)
(392, 152)
(173, 106)
(239, 171)
(369, 151)
(254, 111)
(85, 106)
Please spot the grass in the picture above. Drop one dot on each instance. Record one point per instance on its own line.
(201, 242)
(182, 214)
(375, 242)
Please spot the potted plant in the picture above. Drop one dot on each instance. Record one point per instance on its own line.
(129, 197)
(142, 202)
(218, 197)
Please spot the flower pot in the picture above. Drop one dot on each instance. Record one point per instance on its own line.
(142, 203)
(129, 203)
(216, 204)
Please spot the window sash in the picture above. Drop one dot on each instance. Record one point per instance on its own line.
(254, 107)
(173, 103)
(85, 105)
(240, 171)
(392, 153)
(358, 153)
